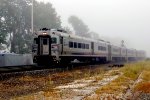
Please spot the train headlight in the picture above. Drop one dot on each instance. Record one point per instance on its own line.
(44, 33)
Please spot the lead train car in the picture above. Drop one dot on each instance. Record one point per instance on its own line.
(55, 46)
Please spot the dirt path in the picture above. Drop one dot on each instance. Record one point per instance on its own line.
(81, 89)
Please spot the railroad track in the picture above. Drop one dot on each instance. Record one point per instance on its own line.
(9, 69)
(36, 70)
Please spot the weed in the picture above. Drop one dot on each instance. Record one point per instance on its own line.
(143, 87)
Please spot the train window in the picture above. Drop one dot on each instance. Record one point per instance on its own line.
(104, 48)
(101, 48)
(71, 44)
(79, 45)
(54, 40)
(44, 41)
(123, 51)
(75, 44)
(87, 46)
(83, 46)
(115, 50)
(35, 40)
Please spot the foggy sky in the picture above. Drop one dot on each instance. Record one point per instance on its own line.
(117, 20)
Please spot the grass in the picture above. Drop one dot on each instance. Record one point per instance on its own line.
(144, 85)
(146, 75)
(133, 70)
(131, 73)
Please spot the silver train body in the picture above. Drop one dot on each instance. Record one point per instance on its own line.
(55, 46)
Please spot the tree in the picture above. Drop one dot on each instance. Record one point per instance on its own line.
(94, 35)
(16, 15)
(3, 28)
(3, 34)
(14, 22)
(67, 29)
(79, 26)
(45, 16)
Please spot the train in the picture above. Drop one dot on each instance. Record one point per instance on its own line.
(54, 46)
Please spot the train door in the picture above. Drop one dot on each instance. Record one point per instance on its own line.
(127, 55)
(61, 46)
(44, 45)
(92, 47)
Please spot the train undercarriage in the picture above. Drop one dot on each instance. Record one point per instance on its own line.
(65, 60)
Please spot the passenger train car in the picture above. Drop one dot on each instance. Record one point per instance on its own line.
(56, 46)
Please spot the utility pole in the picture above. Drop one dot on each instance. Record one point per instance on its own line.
(32, 17)
(122, 43)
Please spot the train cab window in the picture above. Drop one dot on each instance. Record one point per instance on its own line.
(75, 44)
(54, 40)
(79, 45)
(44, 41)
(71, 44)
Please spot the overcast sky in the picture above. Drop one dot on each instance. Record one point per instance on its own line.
(127, 20)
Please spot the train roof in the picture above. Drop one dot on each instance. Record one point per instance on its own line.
(65, 34)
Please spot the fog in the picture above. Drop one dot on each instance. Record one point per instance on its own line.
(114, 20)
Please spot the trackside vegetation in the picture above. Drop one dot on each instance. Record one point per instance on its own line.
(135, 78)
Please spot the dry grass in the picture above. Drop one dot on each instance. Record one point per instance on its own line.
(130, 73)
(146, 75)
(118, 85)
(26, 85)
(143, 87)
(133, 70)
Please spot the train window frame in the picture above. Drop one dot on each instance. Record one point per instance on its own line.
(75, 45)
(70, 44)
